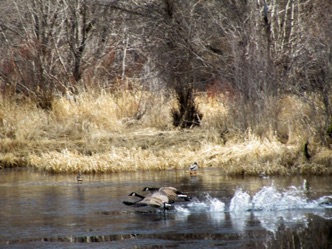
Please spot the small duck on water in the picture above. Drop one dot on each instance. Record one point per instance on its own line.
(79, 177)
(193, 168)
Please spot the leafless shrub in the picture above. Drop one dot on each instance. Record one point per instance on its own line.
(257, 51)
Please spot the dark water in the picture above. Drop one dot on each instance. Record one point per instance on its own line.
(39, 210)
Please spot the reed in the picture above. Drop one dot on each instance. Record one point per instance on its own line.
(99, 132)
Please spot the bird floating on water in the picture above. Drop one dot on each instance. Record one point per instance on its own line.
(263, 175)
(79, 178)
(193, 168)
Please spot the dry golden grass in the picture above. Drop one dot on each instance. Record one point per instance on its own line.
(131, 131)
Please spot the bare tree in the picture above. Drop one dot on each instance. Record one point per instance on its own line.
(50, 44)
(258, 50)
(164, 34)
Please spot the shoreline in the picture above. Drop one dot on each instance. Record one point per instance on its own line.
(148, 150)
(100, 132)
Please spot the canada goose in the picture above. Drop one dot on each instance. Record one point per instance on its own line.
(79, 178)
(193, 168)
(156, 200)
(172, 193)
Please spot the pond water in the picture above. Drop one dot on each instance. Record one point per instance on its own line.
(40, 210)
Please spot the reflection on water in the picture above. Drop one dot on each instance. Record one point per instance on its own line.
(53, 211)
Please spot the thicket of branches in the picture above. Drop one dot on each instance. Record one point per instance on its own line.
(253, 50)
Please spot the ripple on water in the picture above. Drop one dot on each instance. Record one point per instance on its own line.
(54, 212)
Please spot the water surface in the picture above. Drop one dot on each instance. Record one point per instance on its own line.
(41, 210)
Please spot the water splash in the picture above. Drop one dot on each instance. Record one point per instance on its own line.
(325, 201)
(271, 206)
(271, 199)
(208, 204)
(215, 204)
(240, 202)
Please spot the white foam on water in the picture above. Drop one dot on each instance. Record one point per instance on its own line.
(209, 204)
(215, 205)
(240, 202)
(271, 206)
(324, 201)
(271, 199)
(182, 210)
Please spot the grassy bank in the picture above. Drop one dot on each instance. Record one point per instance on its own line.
(130, 131)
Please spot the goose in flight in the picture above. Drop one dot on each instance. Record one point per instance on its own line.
(172, 193)
(156, 200)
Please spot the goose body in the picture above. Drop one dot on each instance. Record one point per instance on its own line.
(156, 200)
(172, 193)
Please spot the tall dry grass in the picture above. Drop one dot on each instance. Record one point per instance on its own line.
(98, 132)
